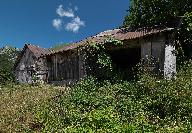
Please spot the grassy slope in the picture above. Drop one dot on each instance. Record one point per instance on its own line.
(148, 105)
(18, 102)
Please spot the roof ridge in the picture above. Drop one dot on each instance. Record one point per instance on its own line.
(120, 34)
(37, 46)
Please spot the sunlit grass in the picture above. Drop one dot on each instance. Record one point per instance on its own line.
(18, 103)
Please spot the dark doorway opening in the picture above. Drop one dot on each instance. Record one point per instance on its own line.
(125, 61)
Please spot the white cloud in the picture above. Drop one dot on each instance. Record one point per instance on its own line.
(75, 24)
(57, 23)
(64, 13)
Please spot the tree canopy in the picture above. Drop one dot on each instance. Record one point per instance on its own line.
(144, 14)
(8, 56)
(147, 13)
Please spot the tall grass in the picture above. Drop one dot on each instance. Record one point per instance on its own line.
(18, 104)
(148, 105)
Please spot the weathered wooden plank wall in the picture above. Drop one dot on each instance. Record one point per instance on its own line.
(152, 52)
(30, 68)
(24, 69)
(65, 66)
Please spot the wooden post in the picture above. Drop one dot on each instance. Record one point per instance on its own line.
(146, 53)
(55, 67)
(81, 66)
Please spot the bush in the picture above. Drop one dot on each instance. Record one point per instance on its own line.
(149, 105)
(8, 57)
(18, 104)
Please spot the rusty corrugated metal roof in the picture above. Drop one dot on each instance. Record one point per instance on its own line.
(123, 35)
(65, 48)
(120, 34)
(38, 51)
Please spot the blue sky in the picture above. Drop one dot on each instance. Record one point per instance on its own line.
(50, 22)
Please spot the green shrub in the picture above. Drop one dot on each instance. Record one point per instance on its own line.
(8, 57)
(18, 105)
(148, 105)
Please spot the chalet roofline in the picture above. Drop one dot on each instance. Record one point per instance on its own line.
(36, 50)
(121, 34)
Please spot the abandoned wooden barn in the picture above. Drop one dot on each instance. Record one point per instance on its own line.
(68, 65)
(29, 66)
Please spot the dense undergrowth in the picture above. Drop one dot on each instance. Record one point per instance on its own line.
(18, 104)
(149, 104)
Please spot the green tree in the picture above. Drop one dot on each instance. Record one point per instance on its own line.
(8, 57)
(162, 13)
(147, 13)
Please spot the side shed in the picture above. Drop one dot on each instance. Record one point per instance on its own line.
(65, 66)
(29, 66)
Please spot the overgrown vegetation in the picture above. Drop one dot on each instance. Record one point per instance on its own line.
(145, 14)
(8, 56)
(148, 105)
(18, 104)
(97, 54)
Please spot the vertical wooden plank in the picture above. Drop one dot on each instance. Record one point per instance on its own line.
(80, 64)
(56, 74)
(158, 45)
(146, 54)
(53, 68)
(146, 49)
(67, 69)
(82, 71)
(77, 66)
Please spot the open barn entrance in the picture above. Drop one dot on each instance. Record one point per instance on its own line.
(124, 61)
